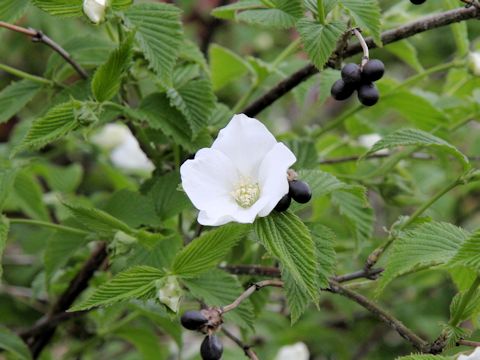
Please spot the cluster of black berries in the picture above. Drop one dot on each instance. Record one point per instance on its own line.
(354, 77)
(417, 2)
(298, 191)
(206, 321)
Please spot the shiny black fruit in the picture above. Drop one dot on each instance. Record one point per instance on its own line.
(284, 203)
(368, 94)
(417, 2)
(341, 91)
(211, 348)
(351, 74)
(373, 71)
(193, 320)
(300, 191)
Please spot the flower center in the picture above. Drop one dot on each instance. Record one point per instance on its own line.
(246, 193)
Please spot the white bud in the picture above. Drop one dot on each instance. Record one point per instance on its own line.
(298, 351)
(169, 292)
(369, 140)
(474, 63)
(95, 10)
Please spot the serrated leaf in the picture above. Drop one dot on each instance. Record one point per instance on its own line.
(287, 238)
(56, 123)
(208, 250)
(427, 245)
(305, 152)
(13, 344)
(98, 221)
(354, 205)
(133, 208)
(297, 297)
(134, 283)
(159, 35)
(468, 255)
(320, 40)
(196, 101)
(415, 137)
(216, 288)
(471, 310)
(62, 8)
(282, 16)
(367, 15)
(11, 10)
(328, 5)
(7, 179)
(29, 196)
(108, 77)
(228, 11)
(4, 228)
(324, 239)
(15, 96)
(225, 66)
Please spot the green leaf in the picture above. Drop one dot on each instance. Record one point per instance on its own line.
(159, 35)
(167, 199)
(321, 183)
(460, 32)
(60, 178)
(208, 250)
(4, 228)
(427, 245)
(415, 137)
(135, 283)
(468, 254)
(353, 204)
(423, 357)
(320, 40)
(470, 311)
(324, 239)
(287, 238)
(62, 8)
(108, 77)
(15, 96)
(98, 221)
(225, 66)
(196, 101)
(58, 122)
(29, 196)
(133, 208)
(405, 51)
(11, 10)
(216, 288)
(305, 152)
(297, 297)
(7, 180)
(12, 343)
(283, 16)
(145, 340)
(367, 15)
(228, 12)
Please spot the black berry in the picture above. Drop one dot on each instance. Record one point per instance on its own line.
(193, 320)
(351, 74)
(417, 2)
(368, 94)
(300, 191)
(284, 203)
(211, 348)
(341, 91)
(373, 71)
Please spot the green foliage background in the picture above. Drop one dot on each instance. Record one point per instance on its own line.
(61, 195)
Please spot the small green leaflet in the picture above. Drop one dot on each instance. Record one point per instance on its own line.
(320, 40)
(108, 77)
(367, 15)
(13, 344)
(29, 196)
(4, 227)
(228, 12)
(135, 283)
(208, 250)
(15, 96)
(225, 66)
(415, 137)
(427, 245)
(471, 310)
(287, 238)
(468, 254)
(159, 35)
(283, 15)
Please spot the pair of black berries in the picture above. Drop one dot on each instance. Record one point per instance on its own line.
(354, 77)
(298, 191)
(417, 2)
(211, 348)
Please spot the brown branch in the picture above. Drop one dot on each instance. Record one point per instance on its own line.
(388, 37)
(38, 36)
(246, 348)
(468, 343)
(39, 339)
(246, 294)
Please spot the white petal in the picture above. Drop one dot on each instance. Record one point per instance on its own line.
(208, 181)
(298, 351)
(245, 141)
(273, 176)
(129, 156)
(95, 10)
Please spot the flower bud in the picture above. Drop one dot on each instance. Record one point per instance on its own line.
(474, 63)
(95, 10)
(169, 292)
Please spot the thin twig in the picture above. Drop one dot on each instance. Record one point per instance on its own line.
(246, 294)
(468, 343)
(363, 44)
(424, 24)
(246, 348)
(38, 36)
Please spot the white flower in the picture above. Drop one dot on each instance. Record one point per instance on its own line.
(243, 174)
(95, 10)
(298, 351)
(368, 140)
(126, 152)
(169, 292)
(474, 63)
(473, 356)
